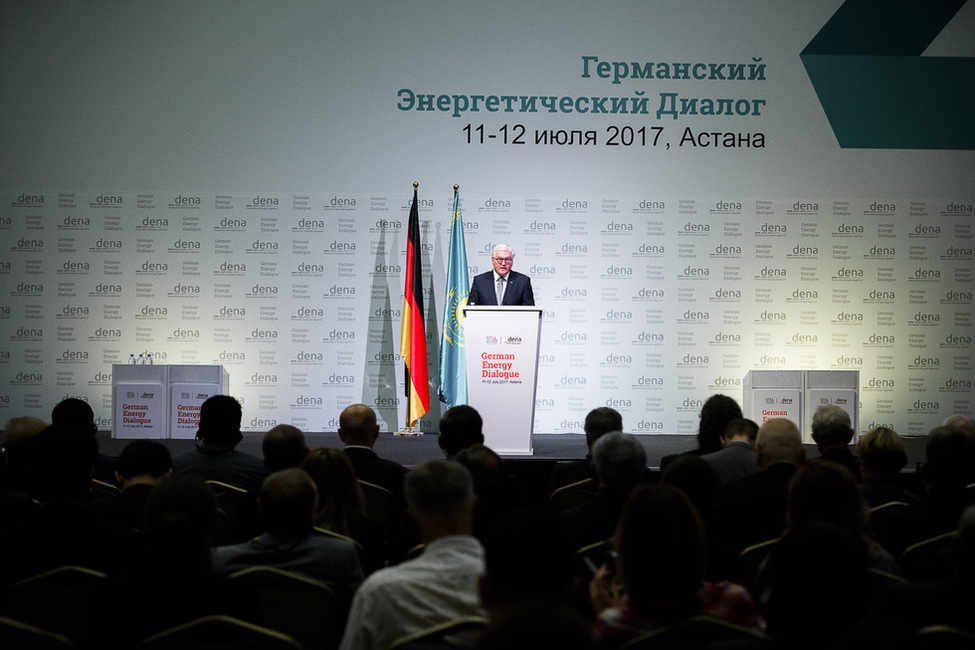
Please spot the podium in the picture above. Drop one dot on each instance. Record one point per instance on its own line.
(162, 401)
(796, 394)
(501, 347)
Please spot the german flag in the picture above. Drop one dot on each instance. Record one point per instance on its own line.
(413, 340)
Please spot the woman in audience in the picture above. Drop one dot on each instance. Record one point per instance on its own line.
(341, 505)
(882, 456)
(826, 492)
(661, 561)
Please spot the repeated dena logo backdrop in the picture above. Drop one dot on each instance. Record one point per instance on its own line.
(651, 303)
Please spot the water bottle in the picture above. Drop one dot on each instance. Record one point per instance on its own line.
(131, 359)
(149, 359)
(142, 359)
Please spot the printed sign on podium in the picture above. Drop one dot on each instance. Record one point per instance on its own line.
(502, 365)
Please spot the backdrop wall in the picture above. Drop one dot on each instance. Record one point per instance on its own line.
(228, 182)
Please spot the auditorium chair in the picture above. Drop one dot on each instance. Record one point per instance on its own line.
(455, 633)
(572, 495)
(58, 601)
(699, 632)
(380, 505)
(929, 560)
(304, 609)
(218, 633)
(238, 521)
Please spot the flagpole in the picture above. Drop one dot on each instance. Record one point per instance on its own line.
(413, 333)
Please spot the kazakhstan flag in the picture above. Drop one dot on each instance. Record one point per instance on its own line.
(453, 362)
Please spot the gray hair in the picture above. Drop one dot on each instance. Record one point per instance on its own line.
(620, 460)
(503, 247)
(438, 488)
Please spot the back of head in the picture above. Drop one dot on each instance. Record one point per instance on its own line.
(779, 441)
(881, 451)
(286, 503)
(181, 518)
(62, 457)
(337, 485)
(949, 460)
(716, 413)
(831, 426)
(619, 460)
(144, 458)
(741, 428)
(822, 490)
(357, 425)
(220, 418)
(527, 559)
(599, 421)
(697, 479)
(815, 566)
(440, 490)
(74, 411)
(17, 438)
(284, 446)
(660, 542)
(460, 427)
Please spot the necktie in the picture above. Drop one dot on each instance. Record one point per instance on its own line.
(500, 289)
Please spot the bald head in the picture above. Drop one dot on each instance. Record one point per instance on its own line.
(779, 441)
(357, 426)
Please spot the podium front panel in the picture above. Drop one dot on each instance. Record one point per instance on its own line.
(502, 364)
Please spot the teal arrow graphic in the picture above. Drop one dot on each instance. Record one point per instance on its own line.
(876, 89)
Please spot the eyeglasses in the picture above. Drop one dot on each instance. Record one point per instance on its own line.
(504, 261)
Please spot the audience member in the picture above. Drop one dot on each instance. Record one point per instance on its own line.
(215, 458)
(526, 583)
(660, 562)
(832, 432)
(60, 530)
(17, 435)
(882, 456)
(716, 413)
(598, 421)
(460, 427)
(439, 585)
(752, 509)
(959, 422)
(78, 412)
(284, 447)
(825, 491)
(341, 506)
(142, 465)
(620, 464)
(286, 505)
(948, 469)
(359, 431)
(496, 490)
(700, 483)
(737, 457)
(818, 575)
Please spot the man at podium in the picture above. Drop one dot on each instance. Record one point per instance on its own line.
(502, 286)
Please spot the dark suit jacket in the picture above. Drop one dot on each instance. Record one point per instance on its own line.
(518, 291)
(379, 471)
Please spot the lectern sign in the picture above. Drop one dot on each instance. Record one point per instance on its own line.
(502, 360)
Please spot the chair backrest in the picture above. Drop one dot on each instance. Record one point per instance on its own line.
(930, 559)
(750, 562)
(218, 633)
(458, 632)
(697, 632)
(16, 635)
(380, 505)
(304, 609)
(57, 601)
(944, 637)
(238, 521)
(102, 490)
(573, 495)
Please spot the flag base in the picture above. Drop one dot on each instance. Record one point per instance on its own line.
(408, 432)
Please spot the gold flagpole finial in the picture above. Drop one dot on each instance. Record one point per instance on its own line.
(415, 185)
(456, 187)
